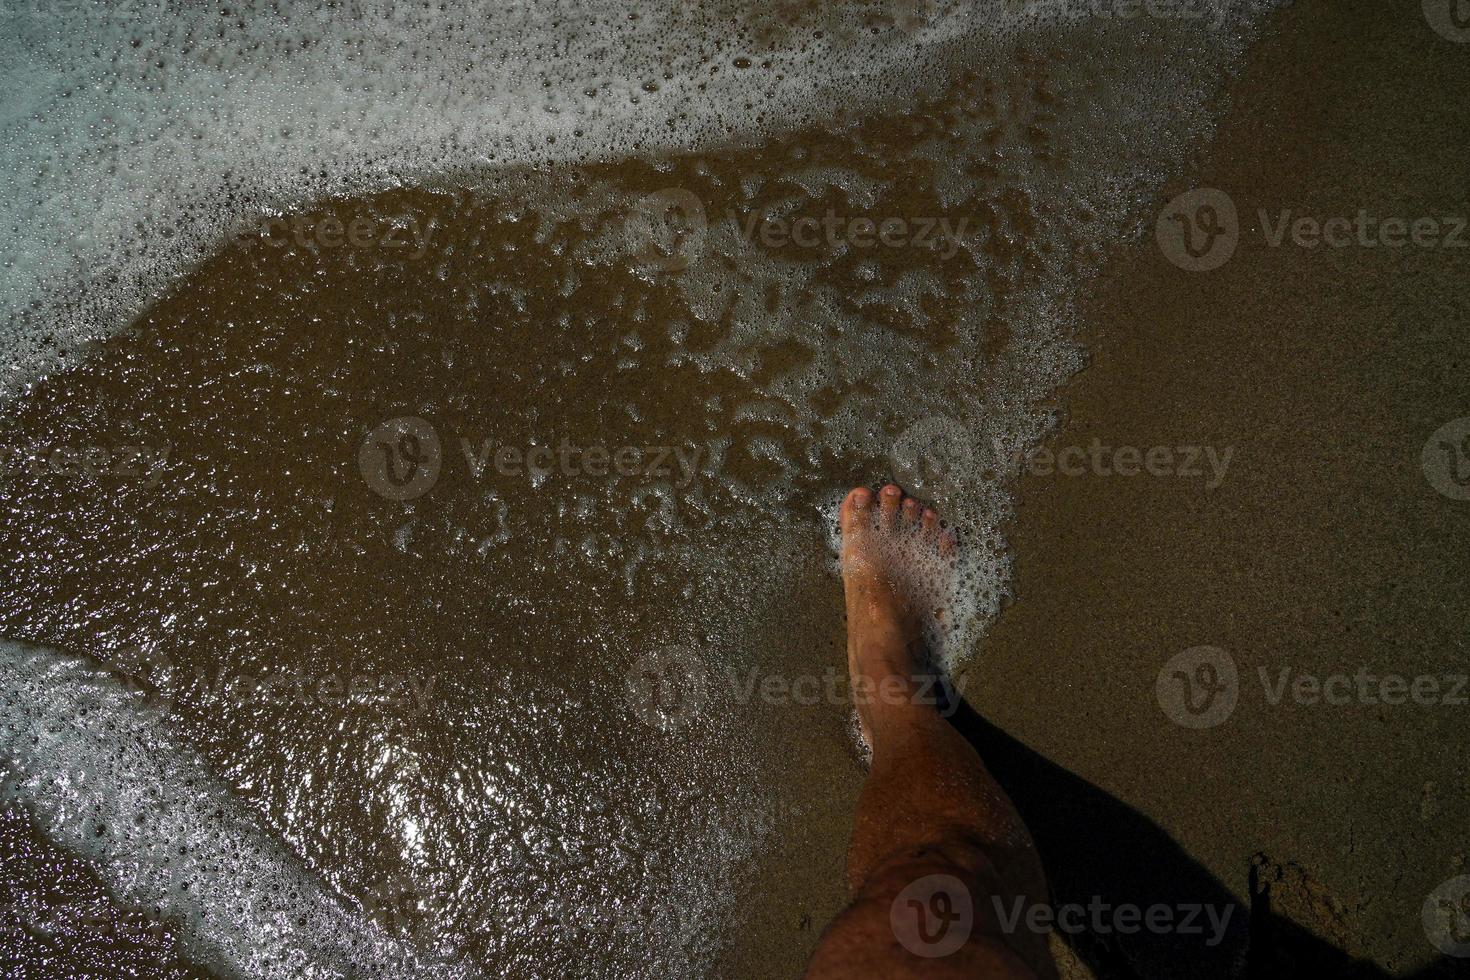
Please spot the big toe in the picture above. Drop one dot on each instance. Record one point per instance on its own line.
(856, 515)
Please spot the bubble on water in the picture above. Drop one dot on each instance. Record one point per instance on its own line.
(84, 751)
(142, 133)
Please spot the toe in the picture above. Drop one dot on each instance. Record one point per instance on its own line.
(931, 522)
(910, 513)
(856, 513)
(888, 501)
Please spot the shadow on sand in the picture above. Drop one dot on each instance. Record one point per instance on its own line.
(1098, 849)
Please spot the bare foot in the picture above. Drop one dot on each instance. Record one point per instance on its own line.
(885, 648)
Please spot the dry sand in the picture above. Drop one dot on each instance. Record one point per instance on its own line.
(1324, 549)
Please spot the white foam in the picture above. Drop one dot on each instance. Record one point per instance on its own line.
(103, 774)
(138, 132)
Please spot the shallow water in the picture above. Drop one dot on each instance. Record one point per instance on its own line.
(441, 541)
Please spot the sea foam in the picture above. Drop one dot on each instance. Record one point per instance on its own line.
(102, 772)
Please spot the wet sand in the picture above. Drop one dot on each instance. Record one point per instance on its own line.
(58, 916)
(508, 810)
(1324, 549)
(525, 814)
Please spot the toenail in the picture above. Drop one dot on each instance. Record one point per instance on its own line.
(891, 491)
(861, 498)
